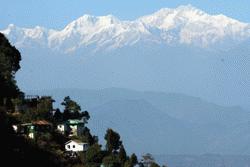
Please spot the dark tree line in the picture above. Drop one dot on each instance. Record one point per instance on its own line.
(19, 151)
(16, 150)
(9, 64)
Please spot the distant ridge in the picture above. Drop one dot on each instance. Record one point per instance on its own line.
(163, 123)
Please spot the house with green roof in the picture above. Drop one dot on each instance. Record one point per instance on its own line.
(72, 127)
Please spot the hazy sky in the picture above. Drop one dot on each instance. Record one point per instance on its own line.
(57, 13)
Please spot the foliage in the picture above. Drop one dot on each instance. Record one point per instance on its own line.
(148, 160)
(72, 110)
(122, 154)
(128, 164)
(111, 161)
(22, 151)
(86, 136)
(78, 165)
(94, 154)
(148, 156)
(44, 108)
(70, 105)
(9, 64)
(92, 164)
(17, 102)
(28, 115)
(113, 140)
(133, 159)
(58, 116)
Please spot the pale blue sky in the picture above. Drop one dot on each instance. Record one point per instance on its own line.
(57, 13)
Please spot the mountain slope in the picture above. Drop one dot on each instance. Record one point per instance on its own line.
(190, 25)
(142, 126)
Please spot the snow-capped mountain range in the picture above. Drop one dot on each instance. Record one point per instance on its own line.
(182, 50)
(183, 25)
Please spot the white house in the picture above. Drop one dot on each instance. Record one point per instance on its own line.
(76, 146)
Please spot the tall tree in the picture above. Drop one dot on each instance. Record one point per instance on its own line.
(122, 154)
(133, 159)
(70, 105)
(57, 117)
(87, 136)
(10, 58)
(111, 161)
(71, 109)
(44, 108)
(94, 154)
(148, 159)
(85, 114)
(66, 115)
(127, 164)
(113, 140)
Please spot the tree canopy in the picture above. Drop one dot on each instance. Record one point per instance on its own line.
(94, 154)
(72, 110)
(113, 140)
(122, 154)
(10, 58)
(133, 159)
(47, 145)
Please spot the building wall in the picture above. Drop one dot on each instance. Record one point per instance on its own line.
(31, 135)
(61, 128)
(73, 131)
(76, 130)
(73, 146)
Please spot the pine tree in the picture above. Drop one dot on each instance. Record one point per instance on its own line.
(87, 136)
(57, 116)
(113, 140)
(122, 154)
(133, 159)
(94, 154)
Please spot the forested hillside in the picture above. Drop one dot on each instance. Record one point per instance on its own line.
(32, 133)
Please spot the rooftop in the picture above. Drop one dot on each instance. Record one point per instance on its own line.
(75, 140)
(76, 121)
(41, 122)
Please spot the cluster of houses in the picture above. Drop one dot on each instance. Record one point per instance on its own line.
(71, 127)
(33, 128)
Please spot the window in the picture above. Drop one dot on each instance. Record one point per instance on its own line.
(73, 146)
(60, 126)
(68, 146)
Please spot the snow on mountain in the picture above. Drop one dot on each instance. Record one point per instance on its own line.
(183, 25)
(104, 31)
(28, 37)
(193, 26)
